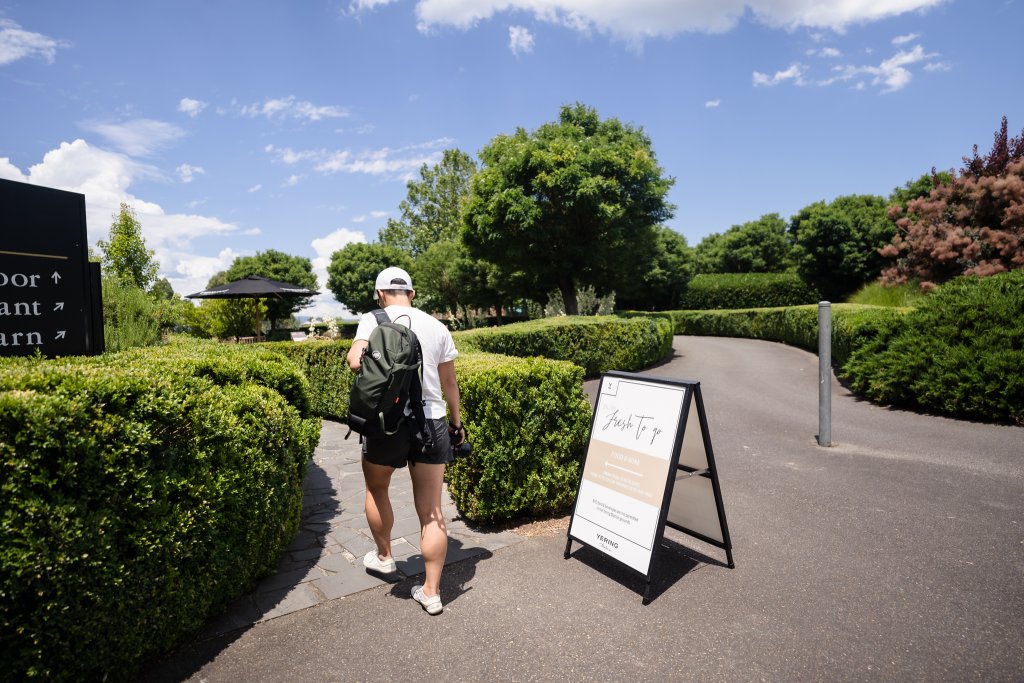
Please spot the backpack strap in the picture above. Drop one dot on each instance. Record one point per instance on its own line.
(381, 315)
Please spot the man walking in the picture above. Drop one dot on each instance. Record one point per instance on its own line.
(383, 455)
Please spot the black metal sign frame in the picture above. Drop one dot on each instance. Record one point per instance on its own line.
(676, 470)
(49, 293)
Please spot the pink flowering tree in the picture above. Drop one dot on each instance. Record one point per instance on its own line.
(972, 224)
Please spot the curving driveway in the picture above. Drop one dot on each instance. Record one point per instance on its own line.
(896, 555)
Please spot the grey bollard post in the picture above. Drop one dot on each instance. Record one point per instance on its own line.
(824, 373)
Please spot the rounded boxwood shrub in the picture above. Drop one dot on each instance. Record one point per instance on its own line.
(528, 421)
(139, 494)
(960, 352)
(596, 344)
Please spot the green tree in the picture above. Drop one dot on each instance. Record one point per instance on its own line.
(432, 208)
(572, 203)
(227, 317)
(837, 244)
(353, 270)
(661, 286)
(438, 274)
(761, 246)
(916, 189)
(276, 265)
(125, 256)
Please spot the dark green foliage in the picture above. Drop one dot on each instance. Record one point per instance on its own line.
(837, 244)
(129, 316)
(571, 204)
(960, 352)
(141, 492)
(353, 272)
(276, 265)
(528, 421)
(596, 344)
(660, 286)
(761, 246)
(747, 290)
(852, 325)
(324, 365)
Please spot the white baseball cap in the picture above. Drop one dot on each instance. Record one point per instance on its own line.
(392, 278)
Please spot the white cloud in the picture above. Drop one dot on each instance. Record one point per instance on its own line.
(373, 214)
(900, 40)
(400, 163)
(290, 108)
(187, 172)
(189, 273)
(141, 137)
(636, 20)
(938, 66)
(324, 303)
(793, 73)
(712, 104)
(892, 73)
(520, 40)
(191, 107)
(104, 178)
(829, 52)
(289, 156)
(292, 180)
(17, 43)
(256, 188)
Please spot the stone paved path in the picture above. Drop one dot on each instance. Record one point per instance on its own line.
(324, 562)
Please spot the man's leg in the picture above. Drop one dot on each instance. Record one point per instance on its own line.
(379, 515)
(426, 492)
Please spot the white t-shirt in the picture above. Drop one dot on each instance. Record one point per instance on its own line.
(437, 345)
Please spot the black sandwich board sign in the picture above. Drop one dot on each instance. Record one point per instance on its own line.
(50, 296)
(649, 464)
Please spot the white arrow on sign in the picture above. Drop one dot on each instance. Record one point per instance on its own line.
(59, 306)
(60, 334)
(55, 276)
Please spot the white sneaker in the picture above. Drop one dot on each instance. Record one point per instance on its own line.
(373, 563)
(432, 604)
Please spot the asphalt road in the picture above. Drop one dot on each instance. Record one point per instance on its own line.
(896, 555)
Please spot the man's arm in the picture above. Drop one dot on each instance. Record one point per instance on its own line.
(450, 387)
(355, 354)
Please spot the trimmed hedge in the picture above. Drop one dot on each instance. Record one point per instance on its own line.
(324, 365)
(528, 421)
(596, 343)
(141, 492)
(747, 290)
(959, 352)
(852, 325)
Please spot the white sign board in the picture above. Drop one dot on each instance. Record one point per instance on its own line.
(629, 457)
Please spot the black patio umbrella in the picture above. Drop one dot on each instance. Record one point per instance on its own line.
(254, 287)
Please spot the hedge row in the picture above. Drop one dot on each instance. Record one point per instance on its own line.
(140, 493)
(528, 421)
(747, 290)
(852, 325)
(596, 344)
(959, 352)
(324, 365)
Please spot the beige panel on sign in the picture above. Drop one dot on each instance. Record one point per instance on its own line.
(692, 454)
(693, 506)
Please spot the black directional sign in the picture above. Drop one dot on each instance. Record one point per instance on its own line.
(46, 293)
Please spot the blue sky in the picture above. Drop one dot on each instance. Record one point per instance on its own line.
(234, 127)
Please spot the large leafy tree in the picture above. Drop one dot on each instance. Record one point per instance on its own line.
(837, 244)
(572, 203)
(761, 246)
(228, 317)
(432, 208)
(353, 270)
(276, 265)
(125, 256)
(972, 224)
(661, 286)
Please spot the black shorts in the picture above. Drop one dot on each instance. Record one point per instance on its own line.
(397, 449)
